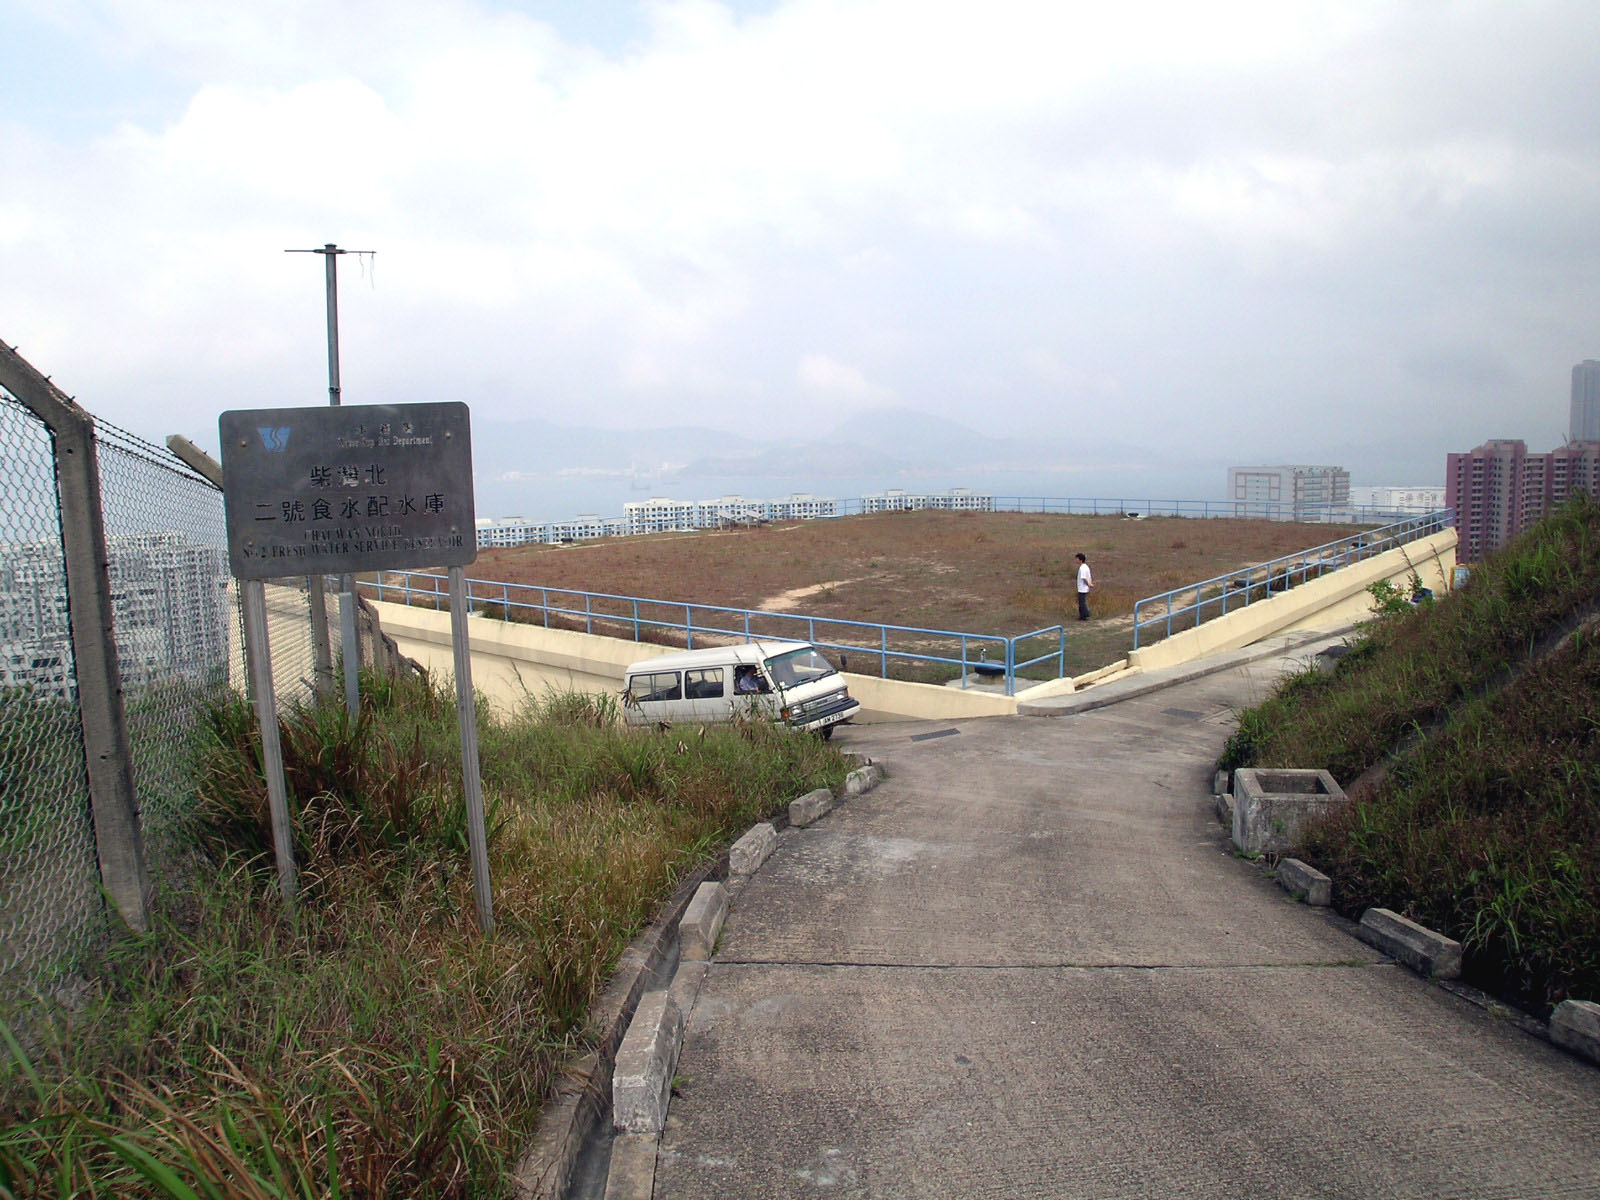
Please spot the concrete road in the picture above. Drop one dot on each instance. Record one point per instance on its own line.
(1028, 966)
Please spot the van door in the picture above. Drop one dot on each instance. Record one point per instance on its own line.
(658, 696)
(751, 690)
(703, 689)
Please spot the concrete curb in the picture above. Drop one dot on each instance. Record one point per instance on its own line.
(633, 1166)
(702, 922)
(811, 806)
(631, 1175)
(1418, 947)
(642, 1079)
(1225, 809)
(1305, 882)
(1575, 1026)
(545, 1169)
(749, 852)
(863, 779)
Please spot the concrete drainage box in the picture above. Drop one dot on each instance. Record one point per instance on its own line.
(1270, 806)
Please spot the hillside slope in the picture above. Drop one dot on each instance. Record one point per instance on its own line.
(1467, 733)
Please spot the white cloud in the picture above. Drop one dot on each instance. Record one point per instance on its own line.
(1009, 212)
(839, 380)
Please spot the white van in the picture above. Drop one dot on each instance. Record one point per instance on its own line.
(788, 679)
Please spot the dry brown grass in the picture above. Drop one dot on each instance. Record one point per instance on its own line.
(984, 573)
(980, 572)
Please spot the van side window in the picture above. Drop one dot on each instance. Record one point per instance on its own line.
(704, 684)
(747, 680)
(663, 685)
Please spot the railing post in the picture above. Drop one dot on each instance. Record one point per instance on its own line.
(883, 653)
(636, 618)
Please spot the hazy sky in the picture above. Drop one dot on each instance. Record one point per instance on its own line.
(1271, 230)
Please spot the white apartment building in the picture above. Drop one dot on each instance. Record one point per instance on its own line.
(1287, 493)
(802, 506)
(1415, 498)
(658, 515)
(519, 531)
(508, 531)
(900, 500)
(169, 603)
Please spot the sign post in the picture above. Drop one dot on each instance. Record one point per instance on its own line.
(358, 488)
(348, 631)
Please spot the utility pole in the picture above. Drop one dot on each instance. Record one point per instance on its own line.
(348, 635)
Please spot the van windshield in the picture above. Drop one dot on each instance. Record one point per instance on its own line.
(798, 666)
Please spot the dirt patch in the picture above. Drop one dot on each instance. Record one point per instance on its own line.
(786, 601)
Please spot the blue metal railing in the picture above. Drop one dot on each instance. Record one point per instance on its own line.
(1196, 603)
(1258, 510)
(689, 516)
(631, 616)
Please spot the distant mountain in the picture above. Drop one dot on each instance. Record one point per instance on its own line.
(892, 441)
(542, 447)
(541, 470)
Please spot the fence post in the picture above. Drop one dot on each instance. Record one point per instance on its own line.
(321, 647)
(119, 843)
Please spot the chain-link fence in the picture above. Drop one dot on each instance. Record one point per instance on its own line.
(300, 672)
(176, 630)
(176, 616)
(50, 904)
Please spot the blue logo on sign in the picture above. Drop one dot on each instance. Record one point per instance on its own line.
(274, 440)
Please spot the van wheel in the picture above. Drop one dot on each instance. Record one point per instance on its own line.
(827, 733)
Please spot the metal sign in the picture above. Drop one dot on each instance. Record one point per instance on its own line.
(357, 488)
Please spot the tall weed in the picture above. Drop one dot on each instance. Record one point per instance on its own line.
(374, 1044)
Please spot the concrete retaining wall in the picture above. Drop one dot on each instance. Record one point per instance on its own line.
(511, 662)
(1324, 603)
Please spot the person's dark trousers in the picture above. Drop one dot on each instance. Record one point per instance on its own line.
(1083, 606)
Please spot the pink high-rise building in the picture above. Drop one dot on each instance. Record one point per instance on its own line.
(1500, 489)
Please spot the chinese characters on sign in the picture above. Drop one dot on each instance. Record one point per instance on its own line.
(355, 488)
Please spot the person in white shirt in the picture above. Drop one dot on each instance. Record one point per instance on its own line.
(1085, 585)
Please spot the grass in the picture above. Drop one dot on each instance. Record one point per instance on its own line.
(374, 1044)
(1468, 734)
(996, 573)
